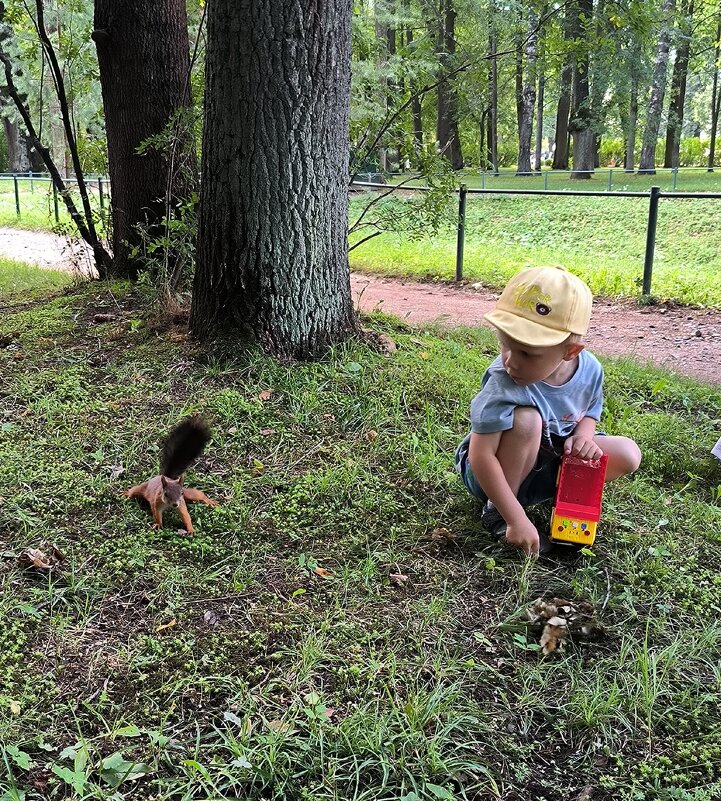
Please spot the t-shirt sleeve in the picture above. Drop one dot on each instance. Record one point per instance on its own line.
(492, 409)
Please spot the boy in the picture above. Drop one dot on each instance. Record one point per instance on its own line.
(540, 399)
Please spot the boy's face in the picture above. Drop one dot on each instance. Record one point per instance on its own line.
(526, 364)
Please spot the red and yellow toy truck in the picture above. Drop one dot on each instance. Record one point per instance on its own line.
(578, 500)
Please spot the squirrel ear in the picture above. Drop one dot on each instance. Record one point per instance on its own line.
(164, 481)
(180, 480)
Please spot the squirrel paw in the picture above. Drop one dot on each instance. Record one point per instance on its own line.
(211, 502)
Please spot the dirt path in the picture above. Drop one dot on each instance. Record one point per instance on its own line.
(681, 339)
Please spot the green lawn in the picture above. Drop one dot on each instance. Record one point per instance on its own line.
(601, 239)
(16, 278)
(340, 627)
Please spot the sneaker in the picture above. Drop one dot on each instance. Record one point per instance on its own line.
(493, 522)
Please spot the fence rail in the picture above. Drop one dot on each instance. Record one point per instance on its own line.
(654, 196)
(100, 182)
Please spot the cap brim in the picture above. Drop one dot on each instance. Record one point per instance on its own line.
(525, 331)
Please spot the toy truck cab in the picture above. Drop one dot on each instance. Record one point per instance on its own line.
(578, 500)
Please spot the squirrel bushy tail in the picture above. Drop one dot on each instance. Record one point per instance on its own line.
(183, 445)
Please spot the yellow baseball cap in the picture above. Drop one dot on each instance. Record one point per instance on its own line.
(541, 306)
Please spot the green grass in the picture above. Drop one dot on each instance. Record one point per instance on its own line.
(17, 278)
(36, 205)
(601, 239)
(160, 666)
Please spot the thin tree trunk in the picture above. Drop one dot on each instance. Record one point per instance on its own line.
(631, 129)
(381, 33)
(581, 120)
(492, 91)
(272, 257)
(647, 162)
(560, 154)
(416, 108)
(447, 133)
(678, 87)
(144, 60)
(528, 98)
(18, 155)
(539, 114)
(715, 99)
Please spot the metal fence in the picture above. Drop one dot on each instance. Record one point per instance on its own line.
(98, 183)
(654, 196)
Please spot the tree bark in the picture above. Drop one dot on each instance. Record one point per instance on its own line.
(560, 154)
(272, 258)
(144, 60)
(527, 99)
(678, 87)
(447, 135)
(416, 108)
(715, 99)
(18, 155)
(631, 129)
(581, 120)
(539, 116)
(647, 162)
(492, 91)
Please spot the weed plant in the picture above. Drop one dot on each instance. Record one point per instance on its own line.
(316, 639)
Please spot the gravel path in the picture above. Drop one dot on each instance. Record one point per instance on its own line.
(681, 339)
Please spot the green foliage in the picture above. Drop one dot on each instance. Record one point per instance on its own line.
(156, 665)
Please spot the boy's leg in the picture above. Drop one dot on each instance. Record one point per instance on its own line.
(518, 449)
(624, 456)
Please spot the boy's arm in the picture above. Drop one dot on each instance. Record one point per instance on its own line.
(489, 475)
(581, 443)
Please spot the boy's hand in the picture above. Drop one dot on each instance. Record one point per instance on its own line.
(582, 447)
(524, 536)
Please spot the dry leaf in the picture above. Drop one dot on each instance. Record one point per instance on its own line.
(417, 341)
(554, 633)
(34, 557)
(165, 626)
(281, 727)
(398, 578)
(267, 432)
(371, 435)
(424, 354)
(265, 394)
(329, 713)
(233, 430)
(104, 318)
(15, 708)
(387, 345)
(321, 571)
(441, 533)
(210, 618)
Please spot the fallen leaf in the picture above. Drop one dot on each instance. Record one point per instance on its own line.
(371, 435)
(34, 557)
(233, 430)
(328, 712)
(441, 533)
(15, 707)
(116, 471)
(417, 341)
(398, 578)
(424, 354)
(554, 633)
(281, 727)
(257, 467)
(104, 318)
(321, 571)
(387, 345)
(265, 394)
(210, 618)
(165, 626)
(267, 432)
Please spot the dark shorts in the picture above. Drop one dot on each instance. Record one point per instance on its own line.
(539, 485)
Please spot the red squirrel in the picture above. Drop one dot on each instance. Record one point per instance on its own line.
(181, 448)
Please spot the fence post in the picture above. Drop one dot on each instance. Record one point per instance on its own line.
(483, 179)
(650, 238)
(461, 231)
(610, 180)
(30, 176)
(545, 180)
(55, 202)
(675, 173)
(100, 190)
(17, 195)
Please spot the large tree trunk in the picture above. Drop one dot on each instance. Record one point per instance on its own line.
(715, 99)
(447, 136)
(581, 120)
(647, 162)
(678, 87)
(492, 91)
(144, 60)
(560, 154)
(272, 258)
(631, 127)
(527, 99)
(18, 155)
(539, 116)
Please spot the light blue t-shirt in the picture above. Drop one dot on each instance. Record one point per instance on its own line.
(561, 407)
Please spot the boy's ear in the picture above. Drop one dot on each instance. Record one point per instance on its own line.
(572, 350)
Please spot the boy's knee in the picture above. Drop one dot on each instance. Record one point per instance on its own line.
(628, 457)
(527, 422)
